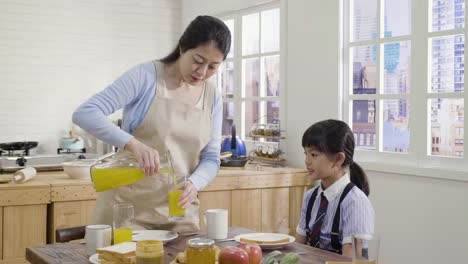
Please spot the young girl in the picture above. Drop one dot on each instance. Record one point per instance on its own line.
(338, 208)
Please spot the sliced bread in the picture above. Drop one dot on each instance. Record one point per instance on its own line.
(123, 253)
(265, 239)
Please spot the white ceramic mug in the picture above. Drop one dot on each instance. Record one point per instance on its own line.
(216, 221)
(97, 236)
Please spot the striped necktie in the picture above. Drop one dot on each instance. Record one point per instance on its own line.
(314, 238)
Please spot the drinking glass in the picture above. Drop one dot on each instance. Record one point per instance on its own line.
(366, 249)
(176, 186)
(123, 221)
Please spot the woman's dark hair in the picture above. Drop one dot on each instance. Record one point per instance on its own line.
(332, 137)
(200, 31)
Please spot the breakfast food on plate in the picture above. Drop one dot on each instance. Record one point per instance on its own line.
(265, 239)
(123, 253)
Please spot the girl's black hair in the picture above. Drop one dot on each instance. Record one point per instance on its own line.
(200, 31)
(332, 137)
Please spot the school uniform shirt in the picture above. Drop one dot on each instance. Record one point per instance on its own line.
(135, 91)
(356, 217)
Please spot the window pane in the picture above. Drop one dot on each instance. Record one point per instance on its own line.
(364, 20)
(271, 75)
(396, 133)
(228, 117)
(230, 24)
(448, 14)
(397, 57)
(447, 127)
(270, 30)
(364, 69)
(251, 77)
(251, 114)
(397, 18)
(271, 111)
(264, 112)
(448, 64)
(363, 123)
(250, 34)
(226, 72)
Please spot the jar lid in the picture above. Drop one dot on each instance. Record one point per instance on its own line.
(149, 245)
(200, 242)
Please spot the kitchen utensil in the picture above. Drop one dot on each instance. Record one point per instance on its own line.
(79, 169)
(216, 221)
(72, 142)
(23, 145)
(234, 144)
(97, 236)
(237, 148)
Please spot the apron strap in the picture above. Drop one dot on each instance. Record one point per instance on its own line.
(335, 232)
(309, 212)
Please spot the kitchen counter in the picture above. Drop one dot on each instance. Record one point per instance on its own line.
(63, 188)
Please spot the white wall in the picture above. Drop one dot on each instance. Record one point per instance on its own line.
(55, 54)
(421, 220)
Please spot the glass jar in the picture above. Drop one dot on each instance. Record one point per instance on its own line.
(123, 171)
(269, 130)
(149, 252)
(200, 251)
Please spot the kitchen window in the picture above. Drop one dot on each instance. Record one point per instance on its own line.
(403, 81)
(250, 78)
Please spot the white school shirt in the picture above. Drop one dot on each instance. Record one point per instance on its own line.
(357, 215)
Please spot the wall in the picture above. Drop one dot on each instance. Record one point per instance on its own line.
(55, 54)
(421, 220)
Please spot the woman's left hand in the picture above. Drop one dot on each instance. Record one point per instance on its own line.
(190, 193)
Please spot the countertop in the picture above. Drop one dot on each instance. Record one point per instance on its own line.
(53, 186)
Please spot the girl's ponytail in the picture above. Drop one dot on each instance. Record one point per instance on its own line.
(359, 177)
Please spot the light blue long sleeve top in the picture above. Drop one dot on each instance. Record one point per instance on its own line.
(134, 91)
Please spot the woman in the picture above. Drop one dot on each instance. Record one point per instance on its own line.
(167, 105)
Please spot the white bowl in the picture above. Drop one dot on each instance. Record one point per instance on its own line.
(79, 169)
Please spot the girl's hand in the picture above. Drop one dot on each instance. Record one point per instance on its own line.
(190, 193)
(148, 158)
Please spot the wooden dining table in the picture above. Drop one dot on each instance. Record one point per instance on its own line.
(76, 252)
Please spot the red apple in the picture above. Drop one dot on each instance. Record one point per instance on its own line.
(233, 255)
(254, 251)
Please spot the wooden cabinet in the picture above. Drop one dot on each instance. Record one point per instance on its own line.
(23, 226)
(69, 214)
(23, 219)
(72, 202)
(268, 200)
(246, 210)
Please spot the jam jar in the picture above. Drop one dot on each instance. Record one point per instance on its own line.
(149, 252)
(200, 251)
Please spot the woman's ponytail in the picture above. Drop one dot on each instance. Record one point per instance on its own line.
(359, 177)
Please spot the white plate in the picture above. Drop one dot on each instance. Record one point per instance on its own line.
(94, 259)
(277, 236)
(162, 235)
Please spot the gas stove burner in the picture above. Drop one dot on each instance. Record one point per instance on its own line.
(67, 151)
(23, 146)
(14, 153)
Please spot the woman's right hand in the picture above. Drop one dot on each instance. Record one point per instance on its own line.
(148, 158)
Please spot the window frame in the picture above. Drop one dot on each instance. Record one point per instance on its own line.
(418, 160)
(237, 99)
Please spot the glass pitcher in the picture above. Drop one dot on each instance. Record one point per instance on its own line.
(123, 171)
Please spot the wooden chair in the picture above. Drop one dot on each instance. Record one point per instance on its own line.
(70, 233)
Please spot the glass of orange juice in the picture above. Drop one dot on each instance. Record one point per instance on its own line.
(123, 220)
(176, 186)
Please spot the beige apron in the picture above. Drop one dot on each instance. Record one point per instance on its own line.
(182, 129)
